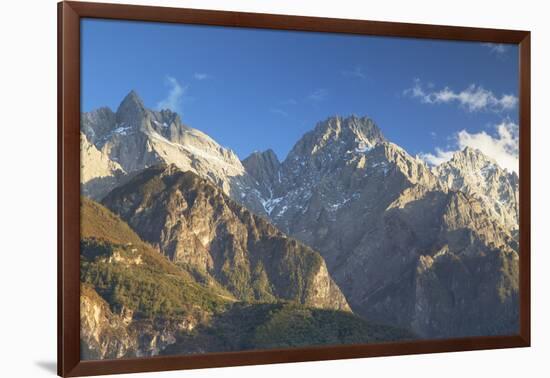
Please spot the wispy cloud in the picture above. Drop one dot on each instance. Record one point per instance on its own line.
(174, 97)
(496, 48)
(280, 112)
(357, 72)
(474, 98)
(318, 95)
(503, 146)
(439, 157)
(201, 76)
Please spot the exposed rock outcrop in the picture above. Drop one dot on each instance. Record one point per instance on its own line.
(373, 212)
(194, 223)
(135, 303)
(136, 138)
(475, 174)
(433, 250)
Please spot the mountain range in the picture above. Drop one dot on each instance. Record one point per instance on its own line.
(268, 291)
(349, 230)
(376, 214)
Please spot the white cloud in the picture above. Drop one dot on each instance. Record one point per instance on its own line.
(473, 98)
(173, 100)
(496, 48)
(318, 95)
(503, 146)
(201, 76)
(439, 157)
(357, 72)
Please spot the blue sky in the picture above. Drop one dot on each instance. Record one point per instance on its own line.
(256, 89)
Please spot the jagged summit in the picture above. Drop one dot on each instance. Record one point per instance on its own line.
(132, 98)
(472, 156)
(470, 150)
(330, 144)
(265, 169)
(474, 173)
(131, 110)
(192, 222)
(267, 154)
(136, 138)
(258, 163)
(361, 126)
(337, 134)
(387, 225)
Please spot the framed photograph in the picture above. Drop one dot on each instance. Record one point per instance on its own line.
(240, 188)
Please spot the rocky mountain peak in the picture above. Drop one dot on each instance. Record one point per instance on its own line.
(191, 221)
(268, 155)
(132, 97)
(136, 138)
(390, 157)
(330, 144)
(364, 127)
(97, 123)
(338, 135)
(472, 157)
(470, 151)
(470, 161)
(352, 130)
(265, 169)
(166, 117)
(131, 110)
(262, 164)
(390, 229)
(474, 173)
(360, 126)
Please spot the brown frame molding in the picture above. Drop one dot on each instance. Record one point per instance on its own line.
(69, 15)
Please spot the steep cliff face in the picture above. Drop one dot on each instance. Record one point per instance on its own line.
(108, 335)
(103, 335)
(472, 292)
(135, 302)
(93, 163)
(373, 212)
(265, 169)
(433, 250)
(473, 173)
(195, 224)
(136, 138)
(97, 171)
(383, 280)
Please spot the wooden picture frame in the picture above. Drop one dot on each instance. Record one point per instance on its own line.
(69, 16)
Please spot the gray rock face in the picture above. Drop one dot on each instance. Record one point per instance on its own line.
(97, 171)
(108, 335)
(135, 302)
(265, 168)
(475, 174)
(131, 112)
(287, 187)
(376, 214)
(194, 223)
(431, 250)
(480, 285)
(136, 138)
(97, 125)
(103, 334)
